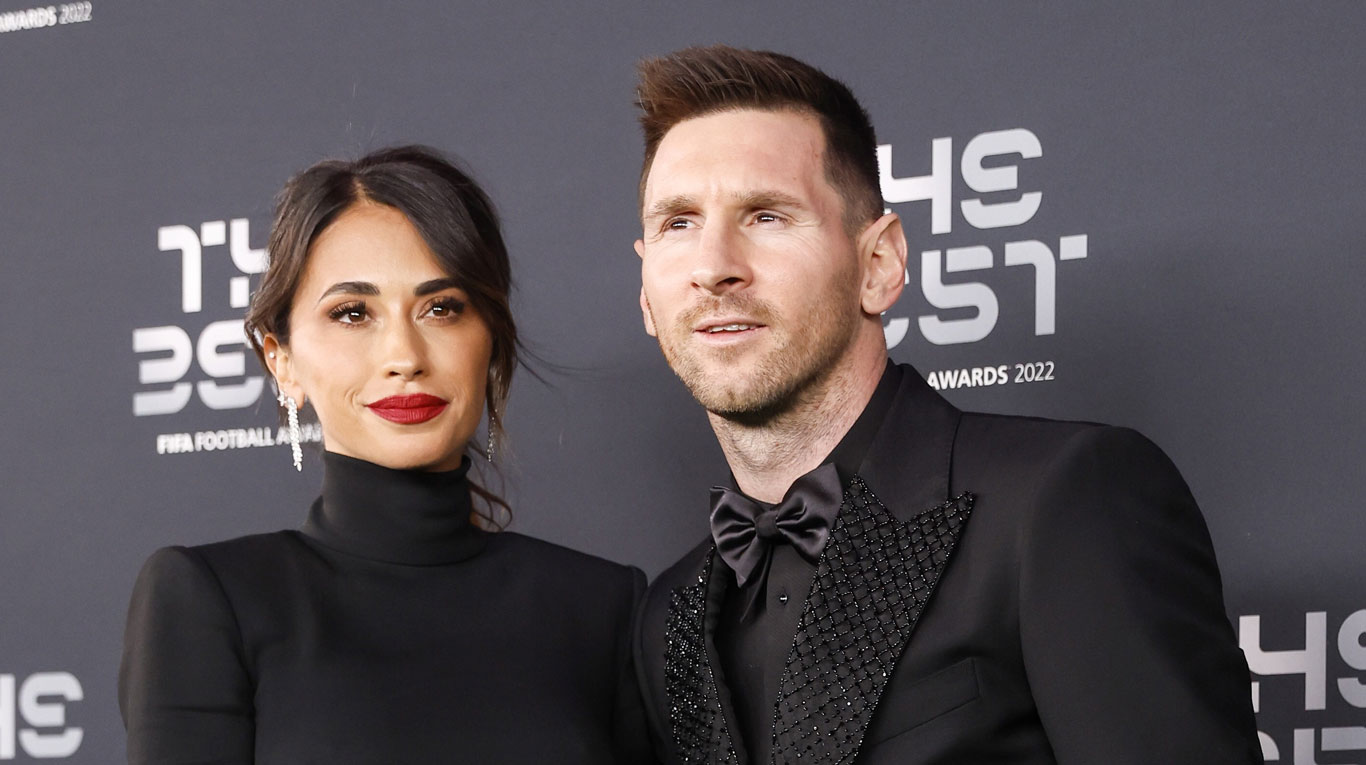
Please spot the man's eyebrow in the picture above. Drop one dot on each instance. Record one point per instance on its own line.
(748, 199)
(670, 206)
(436, 285)
(768, 198)
(350, 288)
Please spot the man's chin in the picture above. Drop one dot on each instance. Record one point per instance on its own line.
(742, 405)
(734, 383)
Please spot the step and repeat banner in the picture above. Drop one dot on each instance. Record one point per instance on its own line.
(1150, 214)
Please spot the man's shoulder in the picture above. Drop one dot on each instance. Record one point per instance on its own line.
(1040, 441)
(923, 427)
(1038, 429)
(1062, 468)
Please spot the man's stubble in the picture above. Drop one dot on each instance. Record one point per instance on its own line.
(797, 366)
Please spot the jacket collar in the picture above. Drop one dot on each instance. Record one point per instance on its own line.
(909, 463)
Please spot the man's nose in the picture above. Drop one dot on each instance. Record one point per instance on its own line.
(721, 263)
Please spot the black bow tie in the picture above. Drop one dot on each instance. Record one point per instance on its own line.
(745, 530)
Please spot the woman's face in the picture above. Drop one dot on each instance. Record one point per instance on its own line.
(384, 345)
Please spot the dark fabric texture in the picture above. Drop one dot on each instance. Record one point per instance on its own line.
(1078, 617)
(388, 630)
(871, 584)
(754, 628)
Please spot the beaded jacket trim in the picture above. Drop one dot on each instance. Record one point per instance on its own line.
(695, 717)
(872, 581)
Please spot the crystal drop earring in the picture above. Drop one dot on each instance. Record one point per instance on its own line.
(292, 412)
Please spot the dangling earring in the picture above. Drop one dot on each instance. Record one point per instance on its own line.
(292, 412)
(492, 444)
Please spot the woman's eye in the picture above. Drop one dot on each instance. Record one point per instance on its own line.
(349, 313)
(446, 308)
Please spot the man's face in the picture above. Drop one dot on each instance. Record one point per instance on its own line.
(750, 280)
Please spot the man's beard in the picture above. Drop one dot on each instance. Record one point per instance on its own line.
(798, 360)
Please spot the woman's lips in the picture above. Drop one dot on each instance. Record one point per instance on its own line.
(410, 409)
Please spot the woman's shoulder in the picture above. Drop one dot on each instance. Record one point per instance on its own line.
(192, 568)
(563, 561)
(247, 549)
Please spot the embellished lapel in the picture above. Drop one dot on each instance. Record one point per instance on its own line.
(698, 721)
(910, 463)
(871, 584)
(874, 578)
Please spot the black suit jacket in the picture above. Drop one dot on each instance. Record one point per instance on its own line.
(995, 590)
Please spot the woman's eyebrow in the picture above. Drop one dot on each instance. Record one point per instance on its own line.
(436, 285)
(366, 288)
(350, 288)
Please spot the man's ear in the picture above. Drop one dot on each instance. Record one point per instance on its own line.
(280, 363)
(882, 247)
(645, 314)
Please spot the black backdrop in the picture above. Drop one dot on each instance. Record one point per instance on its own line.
(1206, 161)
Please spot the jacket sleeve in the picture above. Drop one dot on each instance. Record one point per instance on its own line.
(630, 728)
(184, 690)
(1127, 646)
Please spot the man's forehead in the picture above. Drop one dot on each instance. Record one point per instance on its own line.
(736, 152)
(738, 129)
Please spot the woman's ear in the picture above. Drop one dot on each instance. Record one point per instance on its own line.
(279, 361)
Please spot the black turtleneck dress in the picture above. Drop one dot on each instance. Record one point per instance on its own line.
(387, 630)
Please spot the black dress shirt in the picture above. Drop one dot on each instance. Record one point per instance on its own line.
(753, 650)
(389, 629)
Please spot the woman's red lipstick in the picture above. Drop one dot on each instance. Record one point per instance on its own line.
(410, 409)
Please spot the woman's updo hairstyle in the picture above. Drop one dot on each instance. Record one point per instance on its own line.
(456, 220)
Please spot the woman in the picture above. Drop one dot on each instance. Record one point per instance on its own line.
(391, 627)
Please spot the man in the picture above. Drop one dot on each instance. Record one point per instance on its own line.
(889, 580)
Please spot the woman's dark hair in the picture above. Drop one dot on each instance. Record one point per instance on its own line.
(456, 220)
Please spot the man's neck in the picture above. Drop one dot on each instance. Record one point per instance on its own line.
(767, 458)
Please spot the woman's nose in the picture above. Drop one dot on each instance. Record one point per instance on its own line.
(404, 352)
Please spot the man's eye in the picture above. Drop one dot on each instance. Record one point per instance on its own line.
(348, 313)
(767, 218)
(678, 223)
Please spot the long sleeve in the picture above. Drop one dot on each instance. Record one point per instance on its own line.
(1127, 647)
(184, 689)
(630, 729)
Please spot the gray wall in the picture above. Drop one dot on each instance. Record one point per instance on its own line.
(1210, 154)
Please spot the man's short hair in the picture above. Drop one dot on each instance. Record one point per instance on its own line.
(696, 82)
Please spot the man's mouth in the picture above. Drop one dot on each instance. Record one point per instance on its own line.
(727, 331)
(729, 328)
